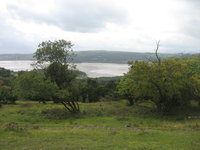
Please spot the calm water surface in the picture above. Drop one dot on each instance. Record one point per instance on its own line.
(91, 69)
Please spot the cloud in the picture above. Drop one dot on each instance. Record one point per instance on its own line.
(125, 25)
(74, 15)
(195, 2)
(190, 19)
(12, 41)
(192, 28)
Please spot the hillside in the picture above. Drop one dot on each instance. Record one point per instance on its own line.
(16, 57)
(112, 125)
(99, 56)
(118, 57)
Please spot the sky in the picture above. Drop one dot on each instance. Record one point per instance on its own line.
(117, 25)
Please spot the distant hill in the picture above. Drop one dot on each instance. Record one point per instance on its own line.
(16, 56)
(100, 56)
(118, 57)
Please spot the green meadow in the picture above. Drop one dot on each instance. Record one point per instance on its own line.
(29, 125)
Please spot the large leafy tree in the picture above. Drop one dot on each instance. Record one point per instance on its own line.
(167, 83)
(49, 52)
(55, 58)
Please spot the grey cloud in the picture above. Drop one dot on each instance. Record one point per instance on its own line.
(180, 44)
(192, 28)
(76, 15)
(12, 41)
(190, 19)
(194, 2)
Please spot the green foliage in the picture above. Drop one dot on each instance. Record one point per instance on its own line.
(34, 86)
(58, 55)
(69, 97)
(7, 95)
(168, 85)
(5, 72)
(193, 71)
(93, 90)
(60, 74)
(57, 51)
(79, 74)
(6, 86)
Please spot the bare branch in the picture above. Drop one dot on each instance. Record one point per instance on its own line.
(156, 52)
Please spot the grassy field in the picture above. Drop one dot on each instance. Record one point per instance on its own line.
(104, 125)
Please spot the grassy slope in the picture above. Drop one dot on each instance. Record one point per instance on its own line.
(103, 125)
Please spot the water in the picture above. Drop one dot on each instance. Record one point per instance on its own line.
(91, 69)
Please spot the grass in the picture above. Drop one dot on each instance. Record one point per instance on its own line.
(103, 125)
(98, 139)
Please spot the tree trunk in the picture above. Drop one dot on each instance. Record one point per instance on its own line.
(71, 106)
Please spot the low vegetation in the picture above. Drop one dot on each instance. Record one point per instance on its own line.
(100, 125)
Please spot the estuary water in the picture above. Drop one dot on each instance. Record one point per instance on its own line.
(91, 69)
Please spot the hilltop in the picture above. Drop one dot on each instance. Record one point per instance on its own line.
(100, 56)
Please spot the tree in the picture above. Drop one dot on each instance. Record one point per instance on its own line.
(7, 80)
(34, 86)
(167, 84)
(7, 95)
(156, 52)
(126, 88)
(49, 52)
(110, 89)
(92, 90)
(5, 72)
(70, 97)
(194, 71)
(55, 59)
(60, 74)
(129, 85)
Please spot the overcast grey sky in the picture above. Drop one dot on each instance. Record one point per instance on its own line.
(121, 25)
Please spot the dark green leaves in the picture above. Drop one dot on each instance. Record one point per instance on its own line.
(57, 51)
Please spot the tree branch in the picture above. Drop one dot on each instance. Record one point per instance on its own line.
(156, 52)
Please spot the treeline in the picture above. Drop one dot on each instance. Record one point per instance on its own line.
(7, 82)
(167, 83)
(36, 86)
